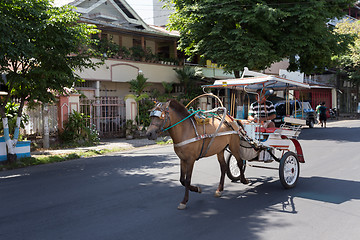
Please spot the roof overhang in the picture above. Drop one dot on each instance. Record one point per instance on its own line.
(254, 83)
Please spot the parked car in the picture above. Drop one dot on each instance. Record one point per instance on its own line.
(303, 111)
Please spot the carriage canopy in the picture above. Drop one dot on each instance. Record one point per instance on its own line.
(254, 83)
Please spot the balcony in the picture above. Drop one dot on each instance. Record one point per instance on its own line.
(211, 71)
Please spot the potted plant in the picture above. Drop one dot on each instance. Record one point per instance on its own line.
(130, 129)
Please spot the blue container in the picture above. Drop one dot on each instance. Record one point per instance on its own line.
(22, 149)
(3, 151)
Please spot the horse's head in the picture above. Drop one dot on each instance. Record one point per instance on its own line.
(159, 115)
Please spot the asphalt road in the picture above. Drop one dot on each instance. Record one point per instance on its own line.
(134, 195)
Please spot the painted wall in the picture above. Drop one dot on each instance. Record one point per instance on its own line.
(151, 44)
(275, 67)
(123, 71)
(127, 41)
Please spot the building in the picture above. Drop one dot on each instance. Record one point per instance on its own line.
(131, 47)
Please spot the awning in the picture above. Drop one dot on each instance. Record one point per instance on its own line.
(253, 83)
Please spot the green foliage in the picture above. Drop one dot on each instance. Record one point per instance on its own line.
(106, 46)
(138, 84)
(77, 130)
(124, 52)
(39, 54)
(144, 106)
(168, 87)
(190, 81)
(11, 112)
(255, 34)
(41, 46)
(137, 53)
(350, 61)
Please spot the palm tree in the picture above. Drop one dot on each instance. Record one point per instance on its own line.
(189, 78)
(138, 85)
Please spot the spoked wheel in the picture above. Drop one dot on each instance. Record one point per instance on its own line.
(233, 170)
(311, 123)
(289, 170)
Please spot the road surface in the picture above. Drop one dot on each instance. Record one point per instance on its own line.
(134, 195)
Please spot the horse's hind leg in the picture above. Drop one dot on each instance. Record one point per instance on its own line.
(185, 179)
(222, 163)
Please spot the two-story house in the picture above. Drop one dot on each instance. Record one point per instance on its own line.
(131, 47)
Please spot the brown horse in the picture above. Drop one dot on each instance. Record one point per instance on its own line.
(191, 141)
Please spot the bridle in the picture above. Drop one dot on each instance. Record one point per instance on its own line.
(162, 114)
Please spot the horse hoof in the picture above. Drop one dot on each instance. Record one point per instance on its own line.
(218, 194)
(182, 206)
(244, 181)
(199, 190)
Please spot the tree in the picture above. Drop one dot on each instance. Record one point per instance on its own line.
(349, 62)
(41, 46)
(257, 33)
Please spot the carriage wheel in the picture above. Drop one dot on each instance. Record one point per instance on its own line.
(233, 170)
(289, 170)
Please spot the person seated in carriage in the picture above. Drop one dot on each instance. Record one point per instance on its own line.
(262, 111)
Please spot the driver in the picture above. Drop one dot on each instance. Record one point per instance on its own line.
(262, 111)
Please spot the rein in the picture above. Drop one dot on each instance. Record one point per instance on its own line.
(180, 121)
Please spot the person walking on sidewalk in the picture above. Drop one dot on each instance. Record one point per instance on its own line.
(318, 113)
(322, 114)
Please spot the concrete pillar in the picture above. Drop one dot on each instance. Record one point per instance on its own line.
(45, 111)
(98, 107)
(63, 111)
(131, 109)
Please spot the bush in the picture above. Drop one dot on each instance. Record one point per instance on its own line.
(77, 130)
(144, 106)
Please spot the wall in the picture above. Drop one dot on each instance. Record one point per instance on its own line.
(127, 41)
(275, 67)
(151, 44)
(123, 71)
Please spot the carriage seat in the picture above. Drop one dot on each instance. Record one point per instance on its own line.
(266, 130)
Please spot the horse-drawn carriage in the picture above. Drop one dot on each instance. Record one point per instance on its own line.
(202, 133)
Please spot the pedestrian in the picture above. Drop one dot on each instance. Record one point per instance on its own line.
(322, 114)
(262, 111)
(318, 113)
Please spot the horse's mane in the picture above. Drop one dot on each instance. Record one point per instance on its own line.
(179, 108)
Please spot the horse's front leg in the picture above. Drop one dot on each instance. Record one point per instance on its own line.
(185, 179)
(222, 163)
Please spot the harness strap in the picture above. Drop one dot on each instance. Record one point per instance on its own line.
(203, 143)
(200, 137)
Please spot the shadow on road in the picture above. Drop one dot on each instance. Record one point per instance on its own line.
(341, 134)
(133, 196)
(238, 213)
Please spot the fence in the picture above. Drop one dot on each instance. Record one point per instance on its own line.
(106, 114)
(35, 124)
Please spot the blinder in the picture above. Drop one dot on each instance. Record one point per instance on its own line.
(157, 113)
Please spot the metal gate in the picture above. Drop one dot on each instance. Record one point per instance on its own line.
(106, 114)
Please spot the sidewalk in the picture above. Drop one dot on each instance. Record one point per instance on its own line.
(116, 144)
